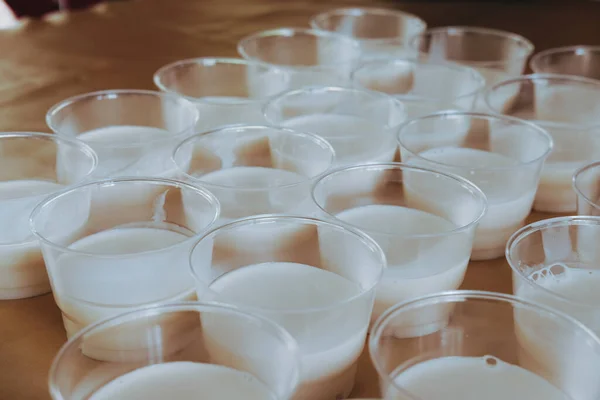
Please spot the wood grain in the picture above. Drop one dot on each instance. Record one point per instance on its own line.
(120, 45)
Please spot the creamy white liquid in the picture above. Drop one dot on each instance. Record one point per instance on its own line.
(509, 203)
(354, 139)
(258, 190)
(474, 378)
(280, 291)
(131, 150)
(416, 267)
(126, 269)
(184, 381)
(22, 270)
(215, 112)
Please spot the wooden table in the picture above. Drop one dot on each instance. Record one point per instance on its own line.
(121, 45)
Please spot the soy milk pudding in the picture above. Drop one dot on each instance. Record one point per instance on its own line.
(29, 173)
(359, 124)
(133, 131)
(565, 106)
(290, 270)
(380, 33)
(225, 91)
(126, 245)
(318, 58)
(255, 169)
(502, 161)
(424, 88)
(427, 238)
(184, 381)
(488, 377)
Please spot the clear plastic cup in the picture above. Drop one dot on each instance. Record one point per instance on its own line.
(424, 88)
(380, 32)
(113, 245)
(255, 169)
(504, 160)
(133, 132)
(221, 88)
(570, 60)
(423, 220)
(212, 360)
(317, 279)
(359, 124)
(486, 347)
(586, 182)
(496, 54)
(305, 57)
(557, 262)
(29, 172)
(568, 107)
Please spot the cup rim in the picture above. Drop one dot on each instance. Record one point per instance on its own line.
(202, 61)
(113, 93)
(476, 115)
(453, 296)
(522, 42)
(199, 190)
(537, 57)
(538, 226)
(576, 188)
(466, 184)
(293, 31)
(332, 89)
(318, 140)
(201, 307)
(472, 72)
(568, 79)
(365, 239)
(316, 19)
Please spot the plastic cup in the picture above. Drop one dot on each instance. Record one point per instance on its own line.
(571, 60)
(496, 54)
(315, 278)
(483, 349)
(133, 132)
(359, 124)
(504, 160)
(255, 169)
(113, 245)
(29, 172)
(380, 32)
(585, 184)
(423, 220)
(203, 333)
(568, 107)
(221, 89)
(305, 57)
(424, 88)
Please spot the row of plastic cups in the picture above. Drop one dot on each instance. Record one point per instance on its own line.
(482, 342)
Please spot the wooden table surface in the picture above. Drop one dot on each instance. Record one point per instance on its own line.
(121, 44)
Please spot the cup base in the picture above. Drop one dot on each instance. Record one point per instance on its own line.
(487, 254)
(331, 387)
(25, 292)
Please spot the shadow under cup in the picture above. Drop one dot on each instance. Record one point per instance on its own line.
(314, 278)
(493, 331)
(423, 220)
(114, 245)
(213, 342)
(29, 172)
(255, 169)
(133, 132)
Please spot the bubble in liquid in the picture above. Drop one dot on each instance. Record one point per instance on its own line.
(491, 361)
(555, 271)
